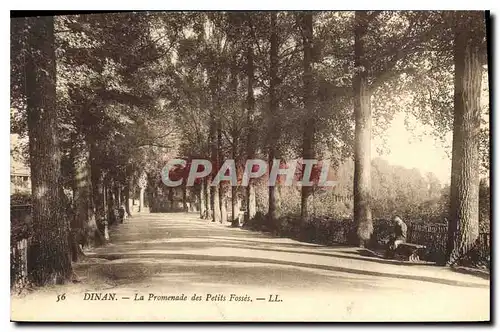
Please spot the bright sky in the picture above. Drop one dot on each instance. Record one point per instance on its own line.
(415, 149)
(418, 148)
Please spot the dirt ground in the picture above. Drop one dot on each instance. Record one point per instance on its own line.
(187, 269)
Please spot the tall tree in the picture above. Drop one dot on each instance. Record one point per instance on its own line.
(214, 147)
(362, 116)
(308, 148)
(463, 228)
(127, 189)
(49, 254)
(203, 209)
(143, 183)
(252, 132)
(273, 110)
(234, 129)
(84, 220)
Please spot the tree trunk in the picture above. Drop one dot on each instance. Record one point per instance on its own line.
(223, 205)
(149, 198)
(77, 234)
(362, 147)
(273, 114)
(214, 144)
(110, 202)
(239, 216)
(221, 186)
(234, 198)
(93, 230)
(251, 202)
(126, 197)
(206, 182)
(215, 199)
(184, 198)
(235, 132)
(98, 192)
(234, 207)
(463, 229)
(141, 199)
(88, 233)
(208, 200)
(118, 195)
(142, 183)
(49, 260)
(169, 199)
(274, 200)
(310, 117)
(203, 209)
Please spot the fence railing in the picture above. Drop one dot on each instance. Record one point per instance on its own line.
(19, 263)
(20, 223)
(329, 231)
(435, 238)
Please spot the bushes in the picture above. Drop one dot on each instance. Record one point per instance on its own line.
(319, 230)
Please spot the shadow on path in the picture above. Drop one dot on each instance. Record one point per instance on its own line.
(160, 247)
(288, 263)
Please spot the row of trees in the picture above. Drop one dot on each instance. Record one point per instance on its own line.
(115, 95)
(85, 90)
(310, 69)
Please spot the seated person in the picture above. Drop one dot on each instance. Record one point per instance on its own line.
(399, 236)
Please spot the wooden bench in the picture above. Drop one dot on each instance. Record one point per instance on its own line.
(410, 250)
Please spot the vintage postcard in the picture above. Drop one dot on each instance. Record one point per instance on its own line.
(250, 166)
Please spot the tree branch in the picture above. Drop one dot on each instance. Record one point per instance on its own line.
(373, 15)
(388, 75)
(124, 97)
(155, 145)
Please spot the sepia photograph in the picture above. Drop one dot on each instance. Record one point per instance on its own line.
(250, 166)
